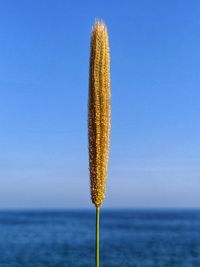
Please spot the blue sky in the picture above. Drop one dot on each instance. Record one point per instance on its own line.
(155, 79)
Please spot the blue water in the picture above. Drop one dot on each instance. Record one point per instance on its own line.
(129, 238)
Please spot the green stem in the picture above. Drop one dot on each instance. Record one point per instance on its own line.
(97, 235)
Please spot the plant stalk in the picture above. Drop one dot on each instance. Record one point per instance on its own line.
(97, 235)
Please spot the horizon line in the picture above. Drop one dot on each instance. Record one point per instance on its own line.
(93, 208)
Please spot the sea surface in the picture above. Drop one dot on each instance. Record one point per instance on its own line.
(129, 238)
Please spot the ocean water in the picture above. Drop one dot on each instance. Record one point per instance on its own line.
(129, 238)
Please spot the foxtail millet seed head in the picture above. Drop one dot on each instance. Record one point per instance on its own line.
(99, 111)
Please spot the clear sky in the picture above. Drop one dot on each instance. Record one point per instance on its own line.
(155, 78)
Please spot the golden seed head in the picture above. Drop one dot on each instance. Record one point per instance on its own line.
(99, 111)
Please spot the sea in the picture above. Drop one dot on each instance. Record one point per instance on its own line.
(128, 238)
